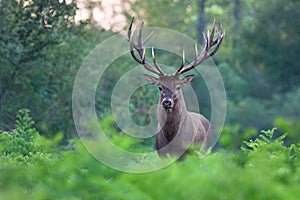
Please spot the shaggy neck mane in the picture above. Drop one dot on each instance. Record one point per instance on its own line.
(173, 117)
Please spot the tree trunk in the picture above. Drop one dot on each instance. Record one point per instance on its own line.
(201, 23)
(237, 13)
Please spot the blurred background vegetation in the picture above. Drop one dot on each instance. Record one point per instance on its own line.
(42, 45)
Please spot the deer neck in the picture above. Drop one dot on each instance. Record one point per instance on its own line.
(170, 120)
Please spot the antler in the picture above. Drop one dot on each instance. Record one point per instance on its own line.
(139, 47)
(209, 43)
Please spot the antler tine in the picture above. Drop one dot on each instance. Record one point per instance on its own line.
(141, 51)
(140, 44)
(211, 37)
(183, 68)
(132, 46)
(209, 42)
(218, 32)
(218, 42)
(148, 38)
(131, 43)
(156, 65)
(183, 59)
(177, 73)
(129, 33)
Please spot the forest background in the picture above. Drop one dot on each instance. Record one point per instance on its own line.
(43, 44)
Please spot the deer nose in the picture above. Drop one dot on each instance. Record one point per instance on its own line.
(167, 103)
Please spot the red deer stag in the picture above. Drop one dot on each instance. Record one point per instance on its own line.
(177, 128)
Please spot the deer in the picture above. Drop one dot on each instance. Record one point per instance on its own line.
(177, 128)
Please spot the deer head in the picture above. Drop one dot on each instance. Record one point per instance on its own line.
(170, 85)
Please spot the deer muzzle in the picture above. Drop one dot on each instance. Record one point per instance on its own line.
(167, 103)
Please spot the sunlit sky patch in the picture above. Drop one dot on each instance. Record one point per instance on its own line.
(108, 14)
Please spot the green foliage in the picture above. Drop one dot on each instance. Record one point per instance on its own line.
(23, 140)
(270, 166)
(274, 53)
(121, 139)
(32, 38)
(251, 112)
(259, 68)
(233, 136)
(264, 169)
(71, 175)
(269, 152)
(266, 139)
(234, 83)
(292, 127)
(266, 172)
(41, 49)
(108, 81)
(281, 111)
(140, 103)
(24, 144)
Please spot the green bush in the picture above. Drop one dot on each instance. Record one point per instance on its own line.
(24, 141)
(233, 135)
(288, 126)
(265, 169)
(24, 144)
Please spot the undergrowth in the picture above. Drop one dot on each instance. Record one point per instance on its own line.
(265, 168)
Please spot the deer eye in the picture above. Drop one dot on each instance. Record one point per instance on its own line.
(178, 87)
(160, 88)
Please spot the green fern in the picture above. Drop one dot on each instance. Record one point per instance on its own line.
(267, 137)
(24, 140)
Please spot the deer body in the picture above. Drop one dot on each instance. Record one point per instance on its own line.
(177, 128)
(189, 133)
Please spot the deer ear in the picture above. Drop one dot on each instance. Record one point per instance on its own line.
(151, 79)
(188, 79)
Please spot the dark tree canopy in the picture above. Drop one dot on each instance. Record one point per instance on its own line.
(270, 44)
(32, 43)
